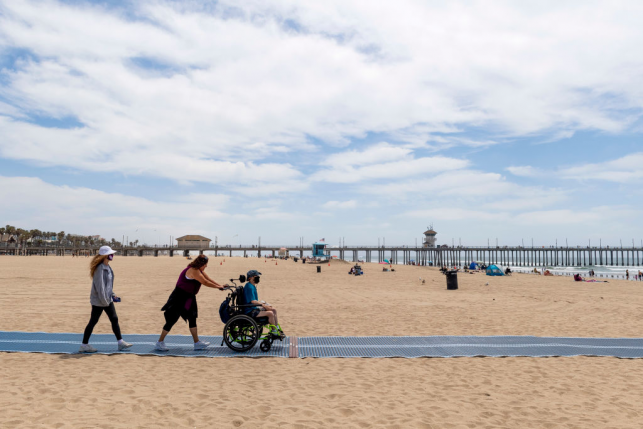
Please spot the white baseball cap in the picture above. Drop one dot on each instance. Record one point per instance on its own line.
(106, 250)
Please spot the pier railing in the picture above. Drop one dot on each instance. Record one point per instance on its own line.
(448, 256)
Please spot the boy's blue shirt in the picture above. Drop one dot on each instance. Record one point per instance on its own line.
(249, 295)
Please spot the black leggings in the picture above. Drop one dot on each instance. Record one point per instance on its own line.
(93, 320)
(171, 317)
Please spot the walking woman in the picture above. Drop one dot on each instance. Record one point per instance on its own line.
(182, 301)
(102, 298)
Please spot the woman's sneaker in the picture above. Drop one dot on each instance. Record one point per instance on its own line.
(201, 345)
(160, 346)
(86, 348)
(122, 345)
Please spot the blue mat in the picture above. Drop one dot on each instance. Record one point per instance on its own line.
(179, 345)
(450, 346)
(375, 347)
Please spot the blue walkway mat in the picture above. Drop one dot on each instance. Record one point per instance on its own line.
(329, 347)
(450, 346)
(179, 345)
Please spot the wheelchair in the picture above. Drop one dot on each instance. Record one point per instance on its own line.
(242, 332)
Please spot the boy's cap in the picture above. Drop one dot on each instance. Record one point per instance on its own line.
(253, 273)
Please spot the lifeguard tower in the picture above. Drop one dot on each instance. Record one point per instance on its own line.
(429, 237)
(320, 252)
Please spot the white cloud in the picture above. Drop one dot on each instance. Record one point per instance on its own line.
(229, 89)
(350, 204)
(32, 202)
(627, 169)
(375, 154)
(525, 171)
(457, 183)
(594, 216)
(232, 95)
(453, 213)
(381, 161)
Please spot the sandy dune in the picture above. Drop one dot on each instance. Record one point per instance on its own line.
(52, 294)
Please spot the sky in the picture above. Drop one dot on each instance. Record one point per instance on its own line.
(354, 120)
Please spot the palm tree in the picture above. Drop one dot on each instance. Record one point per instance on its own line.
(22, 236)
(35, 234)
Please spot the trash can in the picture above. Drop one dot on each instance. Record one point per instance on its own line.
(319, 271)
(452, 280)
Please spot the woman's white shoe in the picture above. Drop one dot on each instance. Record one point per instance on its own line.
(86, 348)
(160, 346)
(201, 345)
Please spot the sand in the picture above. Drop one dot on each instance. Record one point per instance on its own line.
(52, 294)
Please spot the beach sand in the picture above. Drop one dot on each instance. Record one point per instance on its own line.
(52, 294)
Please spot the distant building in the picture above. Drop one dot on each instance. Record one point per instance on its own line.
(8, 239)
(429, 237)
(193, 241)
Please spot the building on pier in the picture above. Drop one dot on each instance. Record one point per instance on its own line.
(8, 239)
(429, 237)
(197, 241)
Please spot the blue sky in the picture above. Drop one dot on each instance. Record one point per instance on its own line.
(283, 119)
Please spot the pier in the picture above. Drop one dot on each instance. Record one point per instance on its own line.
(438, 256)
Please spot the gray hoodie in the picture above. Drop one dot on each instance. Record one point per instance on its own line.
(102, 285)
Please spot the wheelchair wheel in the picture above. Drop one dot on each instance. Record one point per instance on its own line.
(265, 345)
(241, 333)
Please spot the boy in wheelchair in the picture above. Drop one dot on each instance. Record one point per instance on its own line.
(262, 309)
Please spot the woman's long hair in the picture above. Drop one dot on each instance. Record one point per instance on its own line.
(95, 262)
(200, 261)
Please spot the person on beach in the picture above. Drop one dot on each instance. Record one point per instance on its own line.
(262, 309)
(182, 301)
(102, 298)
(627, 274)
